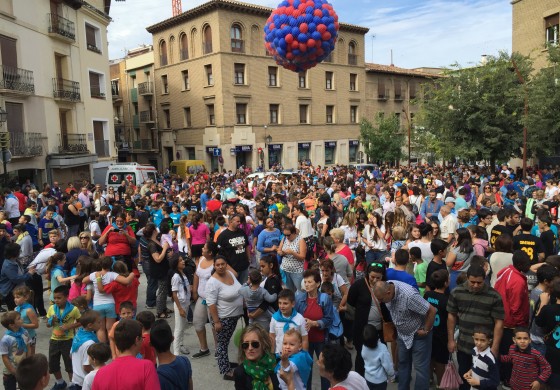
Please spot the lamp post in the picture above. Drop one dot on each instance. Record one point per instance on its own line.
(525, 114)
(267, 141)
(409, 128)
(4, 144)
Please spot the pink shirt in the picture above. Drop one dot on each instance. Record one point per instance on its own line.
(127, 373)
(198, 236)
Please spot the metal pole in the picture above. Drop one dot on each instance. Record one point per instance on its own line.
(5, 164)
(525, 114)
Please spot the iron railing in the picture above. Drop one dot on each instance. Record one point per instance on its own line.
(62, 26)
(146, 116)
(66, 89)
(72, 143)
(16, 79)
(23, 144)
(352, 59)
(146, 88)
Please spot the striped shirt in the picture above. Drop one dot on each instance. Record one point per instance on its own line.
(484, 369)
(528, 366)
(481, 308)
(408, 311)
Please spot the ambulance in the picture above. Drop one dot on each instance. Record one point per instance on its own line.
(134, 173)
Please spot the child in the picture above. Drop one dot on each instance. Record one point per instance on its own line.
(181, 293)
(84, 267)
(81, 303)
(13, 346)
(32, 373)
(121, 292)
(165, 236)
(147, 319)
(293, 358)
(175, 216)
(420, 267)
(377, 360)
(126, 312)
(439, 249)
(400, 260)
(254, 295)
(174, 372)
(336, 326)
(22, 298)
(484, 372)
(98, 355)
(529, 368)
(62, 317)
(46, 224)
(285, 318)
(85, 337)
(398, 239)
(438, 299)
(55, 269)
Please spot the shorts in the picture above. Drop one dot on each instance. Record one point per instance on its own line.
(440, 353)
(196, 250)
(106, 311)
(58, 349)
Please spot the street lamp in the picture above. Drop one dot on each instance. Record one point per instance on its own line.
(3, 116)
(268, 139)
(409, 125)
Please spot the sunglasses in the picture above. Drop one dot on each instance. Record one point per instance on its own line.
(254, 344)
(84, 238)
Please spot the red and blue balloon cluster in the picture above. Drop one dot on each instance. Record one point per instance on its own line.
(300, 34)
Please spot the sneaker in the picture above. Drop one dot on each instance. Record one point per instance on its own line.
(59, 386)
(150, 307)
(201, 353)
(184, 350)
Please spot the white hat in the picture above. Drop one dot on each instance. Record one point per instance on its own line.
(439, 196)
(450, 199)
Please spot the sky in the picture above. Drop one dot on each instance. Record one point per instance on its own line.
(420, 33)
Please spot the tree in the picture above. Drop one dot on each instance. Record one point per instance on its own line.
(384, 140)
(475, 113)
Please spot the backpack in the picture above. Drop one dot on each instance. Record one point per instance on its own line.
(336, 329)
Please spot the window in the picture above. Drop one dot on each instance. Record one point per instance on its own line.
(353, 114)
(328, 80)
(167, 118)
(97, 85)
(239, 74)
(187, 118)
(551, 29)
(171, 49)
(273, 111)
(191, 155)
(398, 118)
(304, 113)
(353, 151)
(186, 80)
(184, 53)
(115, 90)
(9, 51)
(101, 142)
(133, 81)
(209, 76)
(329, 58)
(164, 84)
(93, 38)
(302, 77)
(211, 116)
(398, 90)
(237, 44)
(15, 117)
(352, 57)
(353, 78)
(162, 53)
(272, 76)
(207, 44)
(330, 114)
(412, 90)
(382, 93)
(241, 113)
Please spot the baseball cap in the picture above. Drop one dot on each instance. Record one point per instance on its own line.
(449, 199)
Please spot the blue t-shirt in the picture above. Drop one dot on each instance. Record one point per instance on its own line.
(157, 216)
(401, 276)
(175, 375)
(176, 217)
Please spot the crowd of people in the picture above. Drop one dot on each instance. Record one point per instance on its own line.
(406, 268)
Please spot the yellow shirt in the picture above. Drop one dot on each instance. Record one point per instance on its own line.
(71, 318)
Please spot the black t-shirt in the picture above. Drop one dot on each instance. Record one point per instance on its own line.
(549, 242)
(549, 320)
(496, 231)
(530, 244)
(233, 246)
(433, 267)
(439, 301)
(511, 229)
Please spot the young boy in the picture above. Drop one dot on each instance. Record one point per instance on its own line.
(13, 346)
(127, 371)
(85, 337)
(46, 224)
(400, 260)
(439, 249)
(285, 318)
(293, 358)
(420, 268)
(98, 354)
(63, 318)
(126, 312)
(545, 276)
(529, 368)
(32, 373)
(174, 372)
(253, 294)
(147, 319)
(484, 372)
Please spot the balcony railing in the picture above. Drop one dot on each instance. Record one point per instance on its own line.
(72, 143)
(237, 45)
(383, 94)
(93, 47)
(207, 46)
(66, 90)
(116, 94)
(62, 27)
(146, 117)
(16, 80)
(352, 59)
(95, 92)
(102, 148)
(146, 88)
(26, 144)
(144, 144)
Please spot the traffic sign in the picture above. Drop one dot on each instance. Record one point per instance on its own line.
(217, 152)
(5, 156)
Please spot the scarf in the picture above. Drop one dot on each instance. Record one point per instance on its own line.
(304, 363)
(60, 316)
(260, 370)
(118, 228)
(81, 337)
(21, 344)
(21, 237)
(58, 267)
(280, 318)
(23, 308)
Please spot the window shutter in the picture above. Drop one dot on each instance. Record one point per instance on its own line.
(552, 20)
(9, 52)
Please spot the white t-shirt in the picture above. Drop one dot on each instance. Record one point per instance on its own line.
(102, 298)
(425, 247)
(40, 261)
(298, 383)
(226, 298)
(278, 329)
(183, 289)
(304, 226)
(204, 275)
(88, 380)
(354, 381)
(80, 359)
(448, 226)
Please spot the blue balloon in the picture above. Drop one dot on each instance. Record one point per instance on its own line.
(316, 20)
(316, 35)
(293, 22)
(303, 38)
(325, 20)
(309, 10)
(311, 27)
(325, 12)
(296, 52)
(331, 28)
(284, 4)
(325, 45)
(295, 31)
(301, 19)
(282, 43)
(296, 3)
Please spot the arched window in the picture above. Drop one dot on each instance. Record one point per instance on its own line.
(352, 56)
(162, 53)
(207, 36)
(194, 41)
(171, 47)
(237, 44)
(184, 48)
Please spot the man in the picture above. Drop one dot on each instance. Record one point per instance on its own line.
(414, 318)
(529, 243)
(335, 364)
(448, 224)
(22, 199)
(399, 204)
(85, 199)
(11, 207)
(233, 245)
(431, 207)
(473, 303)
(204, 198)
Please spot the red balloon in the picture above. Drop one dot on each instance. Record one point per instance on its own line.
(326, 36)
(326, 6)
(320, 51)
(302, 47)
(289, 39)
(318, 13)
(296, 13)
(336, 25)
(303, 28)
(271, 26)
(321, 28)
(290, 56)
(295, 44)
(311, 43)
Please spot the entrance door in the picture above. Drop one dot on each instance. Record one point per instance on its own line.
(63, 129)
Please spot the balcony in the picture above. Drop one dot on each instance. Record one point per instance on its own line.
(93, 47)
(16, 81)
(61, 28)
(66, 90)
(72, 144)
(352, 59)
(146, 117)
(116, 95)
(102, 148)
(238, 45)
(26, 144)
(146, 88)
(144, 145)
(95, 92)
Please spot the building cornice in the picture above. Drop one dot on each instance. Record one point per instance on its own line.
(391, 69)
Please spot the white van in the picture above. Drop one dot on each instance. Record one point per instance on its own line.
(135, 173)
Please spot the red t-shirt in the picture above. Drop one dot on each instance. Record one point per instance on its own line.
(123, 293)
(314, 312)
(146, 350)
(127, 372)
(117, 243)
(213, 205)
(347, 252)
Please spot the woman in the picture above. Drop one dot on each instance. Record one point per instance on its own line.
(257, 361)
(361, 297)
(324, 224)
(373, 238)
(98, 201)
(486, 195)
(272, 282)
(75, 250)
(225, 306)
(87, 244)
(424, 241)
(416, 199)
(436, 232)
(304, 228)
(13, 274)
(317, 309)
(459, 257)
(269, 239)
(547, 317)
(155, 265)
(350, 230)
(71, 212)
(184, 237)
(340, 247)
(120, 239)
(293, 251)
(199, 235)
(502, 257)
(341, 265)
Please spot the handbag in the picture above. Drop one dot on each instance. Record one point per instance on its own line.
(389, 329)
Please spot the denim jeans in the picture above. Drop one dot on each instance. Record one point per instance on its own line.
(375, 257)
(317, 348)
(419, 354)
(293, 280)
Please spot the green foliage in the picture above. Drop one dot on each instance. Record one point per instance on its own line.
(383, 141)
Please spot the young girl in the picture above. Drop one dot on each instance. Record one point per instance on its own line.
(22, 298)
(55, 269)
(181, 293)
(83, 268)
(295, 359)
(121, 293)
(377, 360)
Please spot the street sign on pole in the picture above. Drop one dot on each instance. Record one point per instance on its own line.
(217, 152)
